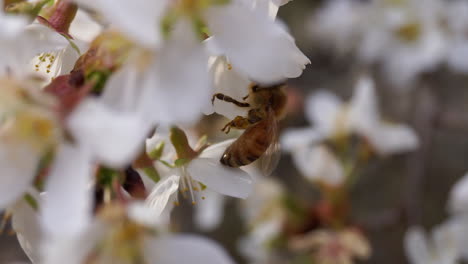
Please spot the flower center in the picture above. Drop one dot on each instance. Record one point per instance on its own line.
(44, 62)
(22, 120)
(409, 32)
(188, 186)
(124, 240)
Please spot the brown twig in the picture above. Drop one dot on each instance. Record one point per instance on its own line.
(424, 119)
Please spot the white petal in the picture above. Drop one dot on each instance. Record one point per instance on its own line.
(84, 27)
(458, 228)
(25, 222)
(162, 191)
(68, 58)
(458, 201)
(18, 164)
(268, 197)
(212, 47)
(215, 151)
(178, 83)
(392, 139)
(264, 7)
(299, 137)
(364, 112)
(71, 250)
(323, 109)
(122, 91)
(16, 49)
(12, 25)
(219, 178)
(142, 18)
(231, 83)
(179, 249)
(318, 164)
(142, 213)
(114, 138)
(280, 2)
(209, 212)
(255, 245)
(446, 240)
(407, 61)
(416, 246)
(45, 39)
(67, 207)
(457, 56)
(271, 54)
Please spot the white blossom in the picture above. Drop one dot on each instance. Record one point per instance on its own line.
(318, 164)
(332, 118)
(29, 128)
(92, 119)
(264, 214)
(406, 37)
(270, 55)
(177, 72)
(441, 247)
(141, 17)
(207, 170)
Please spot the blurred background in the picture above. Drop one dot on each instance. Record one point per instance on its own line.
(393, 193)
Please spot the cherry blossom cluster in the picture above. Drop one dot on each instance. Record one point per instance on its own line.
(111, 114)
(406, 38)
(93, 98)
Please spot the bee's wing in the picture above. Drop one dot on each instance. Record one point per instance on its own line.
(269, 160)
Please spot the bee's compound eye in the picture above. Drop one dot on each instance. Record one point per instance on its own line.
(225, 159)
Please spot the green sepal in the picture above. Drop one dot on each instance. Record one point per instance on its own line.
(181, 162)
(73, 44)
(168, 22)
(31, 201)
(157, 152)
(167, 164)
(202, 186)
(180, 142)
(293, 206)
(220, 2)
(200, 27)
(44, 163)
(31, 9)
(152, 173)
(106, 176)
(99, 78)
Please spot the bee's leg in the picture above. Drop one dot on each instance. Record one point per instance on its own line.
(245, 97)
(228, 99)
(239, 123)
(227, 128)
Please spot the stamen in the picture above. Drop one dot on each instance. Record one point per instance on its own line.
(46, 61)
(189, 186)
(191, 191)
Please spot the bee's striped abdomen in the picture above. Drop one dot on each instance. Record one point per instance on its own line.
(249, 146)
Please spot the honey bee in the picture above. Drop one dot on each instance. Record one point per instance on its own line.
(260, 138)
